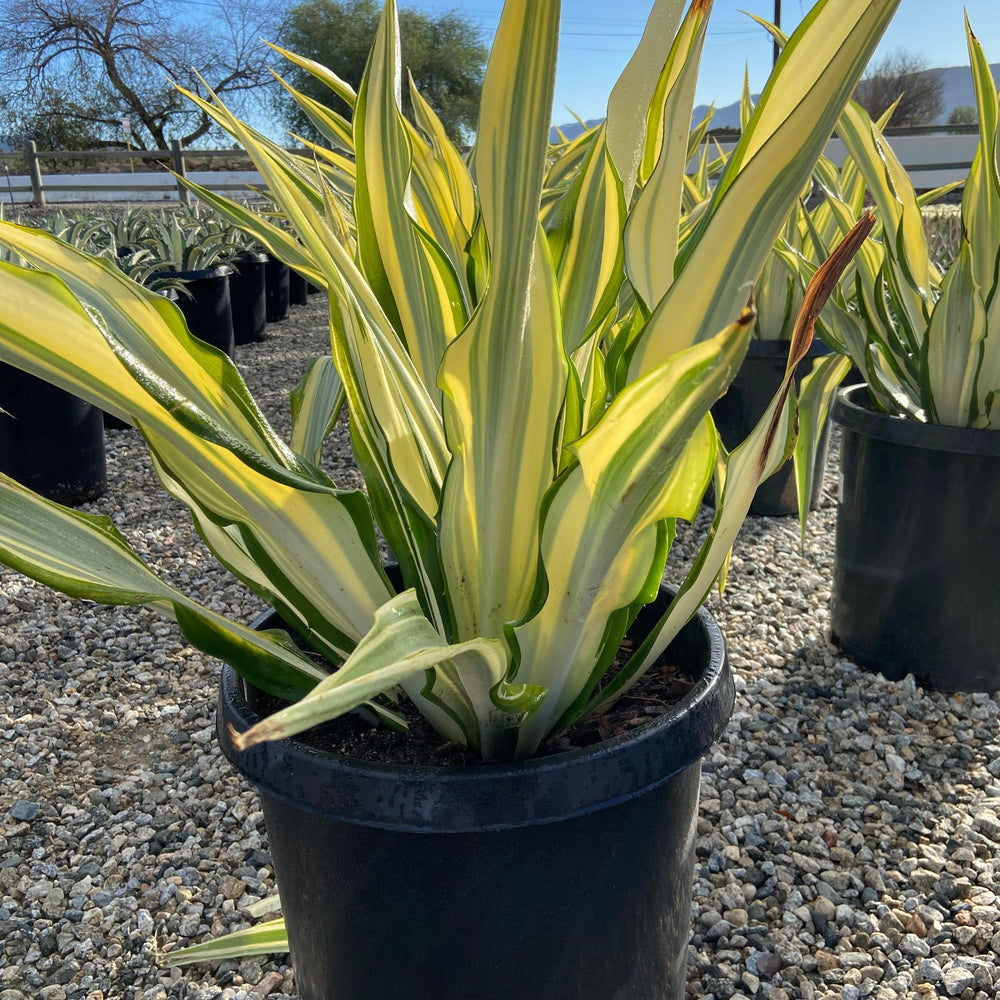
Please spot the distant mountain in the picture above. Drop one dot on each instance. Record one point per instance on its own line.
(573, 129)
(956, 90)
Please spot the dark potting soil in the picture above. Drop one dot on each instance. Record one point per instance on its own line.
(353, 735)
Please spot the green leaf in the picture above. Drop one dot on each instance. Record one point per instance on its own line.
(905, 238)
(762, 453)
(84, 556)
(651, 235)
(400, 644)
(585, 240)
(633, 92)
(504, 379)
(203, 378)
(953, 346)
(764, 175)
(318, 536)
(648, 459)
(269, 938)
(420, 285)
(316, 402)
(815, 395)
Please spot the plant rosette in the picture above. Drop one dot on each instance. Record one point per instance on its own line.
(528, 345)
(915, 553)
(378, 843)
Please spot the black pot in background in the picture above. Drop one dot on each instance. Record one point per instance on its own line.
(312, 289)
(113, 423)
(560, 877)
(207, 308)
(737, 412)
(917, 548)
(298, 288)
(248, 295)
(277, 281)
(50, 440)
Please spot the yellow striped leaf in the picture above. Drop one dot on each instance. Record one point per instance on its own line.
(504, 378)
(765, 174)
(649, 458)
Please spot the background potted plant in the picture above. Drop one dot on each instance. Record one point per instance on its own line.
(918, 523)
(808, 232)
(195, 260)
(247, 282)
(830, 203)
(530, 409)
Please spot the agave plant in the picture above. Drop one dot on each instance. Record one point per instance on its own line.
(528, 404)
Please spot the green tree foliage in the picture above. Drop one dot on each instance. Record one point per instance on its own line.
(57, 116)
(964, 114)
(444, 53)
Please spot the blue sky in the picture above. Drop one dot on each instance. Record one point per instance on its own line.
(598, 36)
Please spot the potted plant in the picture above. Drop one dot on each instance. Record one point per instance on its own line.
(530, 409)
(832, 200)
(247, 278)
(194, 260)
(248, 294)
(918, 524)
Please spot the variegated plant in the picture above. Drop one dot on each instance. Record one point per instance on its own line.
(528, 404)
(927, 343)
(804, 242)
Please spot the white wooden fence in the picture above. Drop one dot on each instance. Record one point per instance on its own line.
(933, 156)
(33, 186)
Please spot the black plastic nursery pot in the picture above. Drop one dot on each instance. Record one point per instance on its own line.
(917, 548)
(298, 288)
(564, 877)
(277, 283)
(737, 412)
(50, 440)
(208, 307)
(248, 296)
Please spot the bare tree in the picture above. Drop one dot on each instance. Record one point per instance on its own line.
(906, 74)
(118, 57)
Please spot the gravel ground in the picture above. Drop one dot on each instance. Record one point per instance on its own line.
(848, 833)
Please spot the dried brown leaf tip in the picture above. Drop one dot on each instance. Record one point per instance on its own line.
(823, 283)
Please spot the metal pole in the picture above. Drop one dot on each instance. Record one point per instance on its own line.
(35, 173)
(777, 24)
(6, 173)
(177, 155)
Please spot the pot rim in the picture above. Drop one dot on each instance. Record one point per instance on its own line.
(436, 798)
(199, 274)
(853, 410)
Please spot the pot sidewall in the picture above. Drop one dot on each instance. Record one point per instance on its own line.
(50, 440)
(248, 295)
(916, 548)
(590, 894)
(748, 396)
